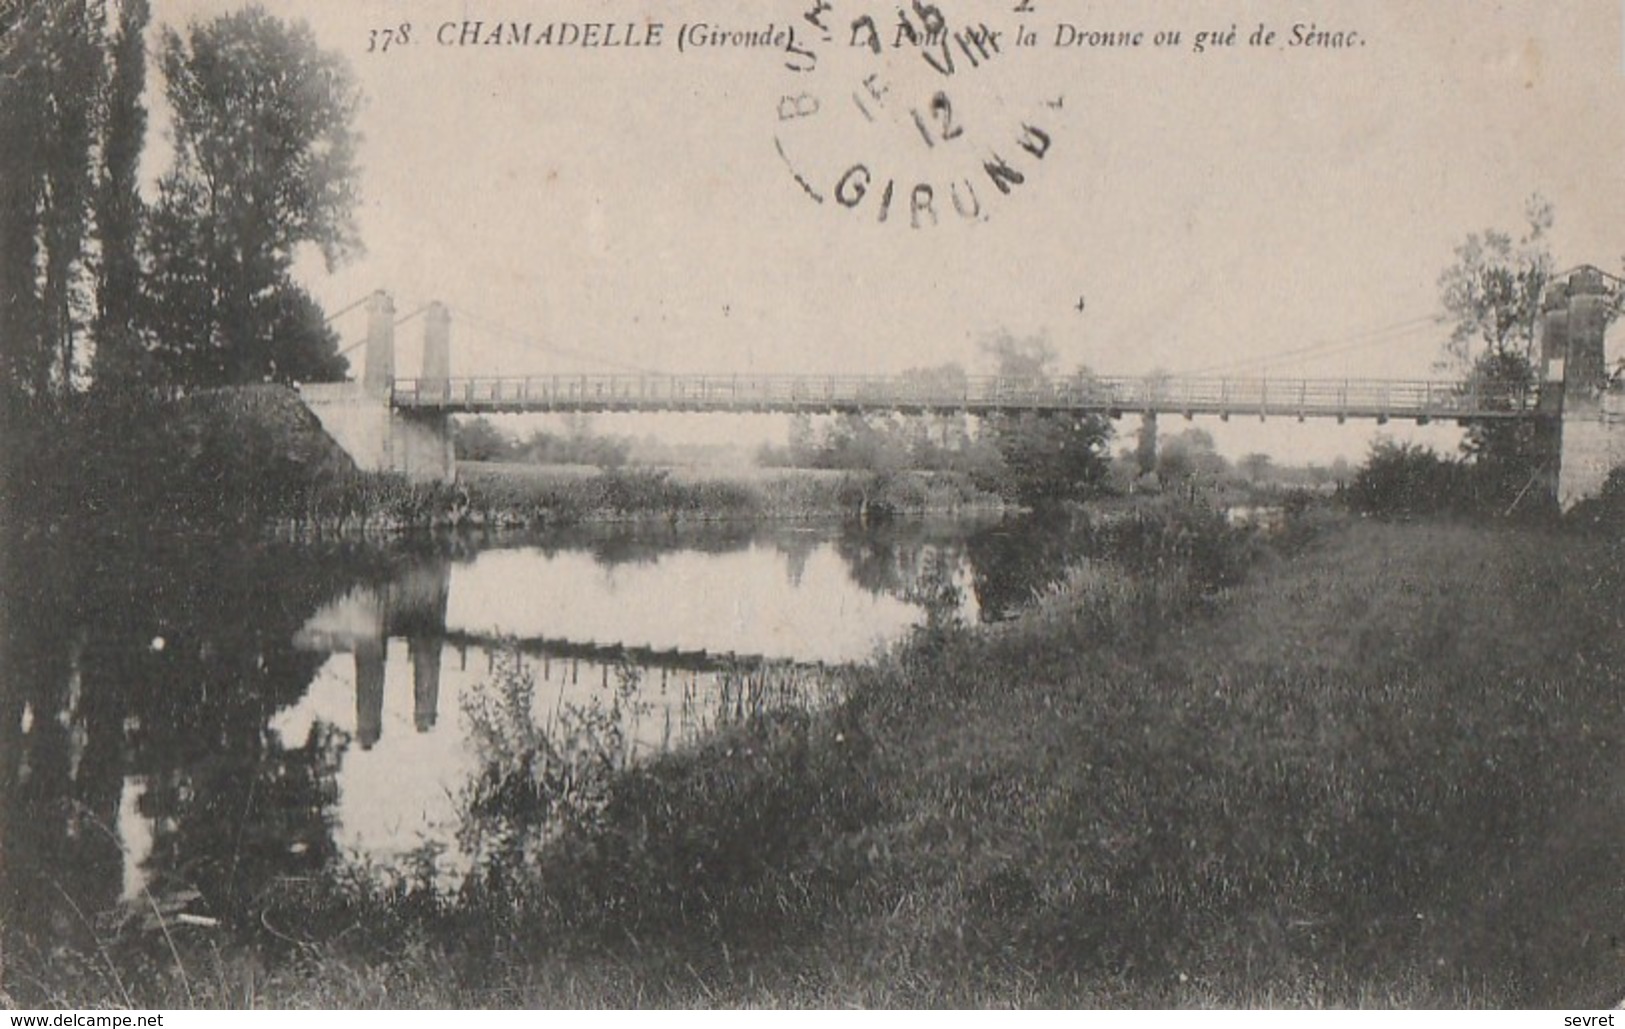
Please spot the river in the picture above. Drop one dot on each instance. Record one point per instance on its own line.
(186, 721)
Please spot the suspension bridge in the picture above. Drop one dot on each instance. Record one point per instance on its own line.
(1377, 399)
(387, 422)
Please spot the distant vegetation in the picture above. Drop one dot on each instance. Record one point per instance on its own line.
(1188, 463)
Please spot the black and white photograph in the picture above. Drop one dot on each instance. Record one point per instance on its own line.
(812, 504)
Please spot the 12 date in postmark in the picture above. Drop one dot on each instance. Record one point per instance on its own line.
(901, 115)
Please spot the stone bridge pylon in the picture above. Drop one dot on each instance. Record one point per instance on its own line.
(1582, 398)
(361, 417)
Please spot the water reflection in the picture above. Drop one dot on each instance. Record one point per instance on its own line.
(187, 722)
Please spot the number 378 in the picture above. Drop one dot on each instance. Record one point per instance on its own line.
(380, 40)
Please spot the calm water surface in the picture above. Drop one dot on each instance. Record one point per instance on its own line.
(185, 723)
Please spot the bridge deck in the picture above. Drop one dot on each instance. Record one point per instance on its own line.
(1380, 399)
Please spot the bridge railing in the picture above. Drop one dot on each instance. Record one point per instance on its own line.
(1113, 394)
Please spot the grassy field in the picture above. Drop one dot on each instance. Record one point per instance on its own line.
(1383, 768)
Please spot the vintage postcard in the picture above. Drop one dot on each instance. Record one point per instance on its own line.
(811, 503)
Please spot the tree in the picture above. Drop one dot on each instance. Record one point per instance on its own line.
(24, 363)
(802, 440)
(1047, 456)
(1254, 466)
(1190, 456)
(1027, 361)
(51, 71)
(264, 165)
(1407, 479)
(301, 346)
(933, 436)
(1146, 459)
(119, 208)
(477, 439)
(1493, 294)
(1341, 471)
(1493, 291)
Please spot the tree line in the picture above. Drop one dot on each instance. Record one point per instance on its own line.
(101, 287)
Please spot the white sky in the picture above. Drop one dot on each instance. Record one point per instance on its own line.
(1211, 208)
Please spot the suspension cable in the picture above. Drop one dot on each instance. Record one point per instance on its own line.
(1336, 344)
(496, 328)
(396, 324)
(346, 309)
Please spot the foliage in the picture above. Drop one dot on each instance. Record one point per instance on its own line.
(889, 443)
(1493, 294)
(1605, 511)
(1190, 456)
(264, 164)
(1053, 457)
(1047, 457)
(1029, 359)
(1493, 291)
(1146, 451)
(536, 779)
(1347, 782)
(1255, 466)
(1408, 479)
(123, 456)
(120, 211)
(51, 74)
(1506, 453)
(477, 439)
(1030, 457)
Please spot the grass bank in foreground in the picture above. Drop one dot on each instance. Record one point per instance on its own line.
(1381, 770)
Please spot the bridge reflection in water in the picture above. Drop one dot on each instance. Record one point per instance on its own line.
(687, 640)
(413, 607)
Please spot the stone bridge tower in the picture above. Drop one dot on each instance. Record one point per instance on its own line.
(1579, 399)
(360, 417)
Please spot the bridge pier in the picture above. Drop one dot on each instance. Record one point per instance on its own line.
(1584, 411)
(1145, 451)
(361, 417)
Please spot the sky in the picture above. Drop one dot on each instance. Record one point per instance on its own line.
(640, 206)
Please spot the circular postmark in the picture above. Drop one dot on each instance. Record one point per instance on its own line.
(901, 114)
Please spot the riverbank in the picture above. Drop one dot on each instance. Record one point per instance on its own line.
(1379, 769)
(493, 495)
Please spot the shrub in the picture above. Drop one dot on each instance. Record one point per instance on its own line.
(1408, 479)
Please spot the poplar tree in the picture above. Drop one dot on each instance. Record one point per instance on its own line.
(119, 208)
(264, 165)
(51, 77)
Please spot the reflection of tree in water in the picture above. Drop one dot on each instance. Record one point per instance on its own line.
(234, 806)
(1014, 562)
(875, 559)
(610, 546)
(54, 799)
(644, 544)
(797, 547)
(167, 666)
(903, 560)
